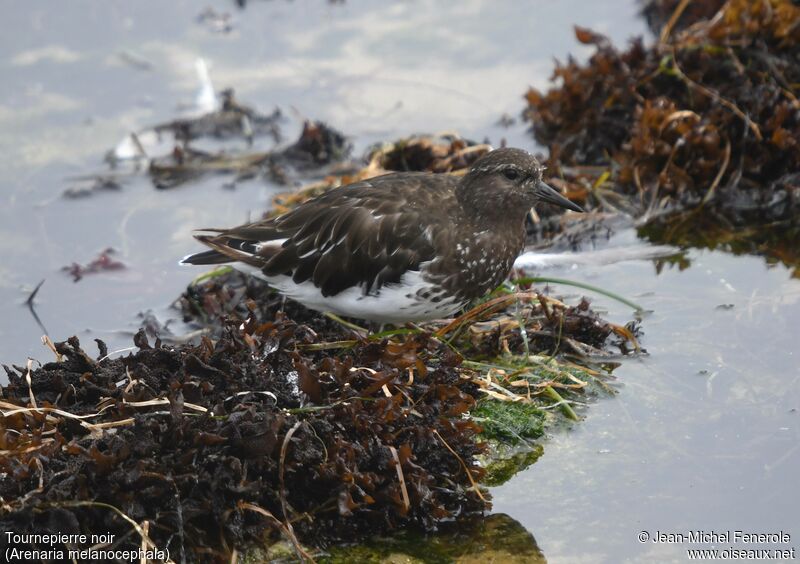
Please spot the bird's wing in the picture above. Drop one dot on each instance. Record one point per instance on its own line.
(367, 234)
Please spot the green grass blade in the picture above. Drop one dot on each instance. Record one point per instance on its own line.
(595, 289)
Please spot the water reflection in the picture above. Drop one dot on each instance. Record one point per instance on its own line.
(495, 538)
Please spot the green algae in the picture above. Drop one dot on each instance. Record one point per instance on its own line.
(509, 422)
(503, 462)
(495, 538)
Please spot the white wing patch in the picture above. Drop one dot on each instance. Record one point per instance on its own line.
(276, 244)
(412, 299)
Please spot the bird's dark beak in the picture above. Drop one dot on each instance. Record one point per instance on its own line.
(550, 195)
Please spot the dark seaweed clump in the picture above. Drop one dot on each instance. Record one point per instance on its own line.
(657, 13)
(208, 304)
(229, 443)
(699, 132)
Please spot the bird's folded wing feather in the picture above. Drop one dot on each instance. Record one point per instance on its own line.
(367, 235)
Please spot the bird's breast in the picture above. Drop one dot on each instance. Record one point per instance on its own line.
(476, 263)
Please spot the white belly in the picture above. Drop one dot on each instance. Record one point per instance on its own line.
(393, 303)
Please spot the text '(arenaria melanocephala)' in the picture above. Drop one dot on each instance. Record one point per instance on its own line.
(407, 246)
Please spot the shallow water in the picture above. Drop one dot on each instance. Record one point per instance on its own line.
(704, 432)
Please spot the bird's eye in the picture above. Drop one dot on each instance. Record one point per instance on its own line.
(511, 173)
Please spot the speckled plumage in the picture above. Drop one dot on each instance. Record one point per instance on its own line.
(399, 247)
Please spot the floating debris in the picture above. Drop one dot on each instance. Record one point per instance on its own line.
(184, 164)
(134, 60)
(232, 120)
(85, 186)
(102, 263)
(218, 22)
(318, 145)
(506, 120)
(220, 117)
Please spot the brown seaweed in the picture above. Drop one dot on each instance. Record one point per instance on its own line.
(706, 119)
(218, 444)
(103, 262)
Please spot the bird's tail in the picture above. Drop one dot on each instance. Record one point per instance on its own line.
(224, 249)
(206, 257)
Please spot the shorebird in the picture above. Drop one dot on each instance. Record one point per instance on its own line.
(407, 246)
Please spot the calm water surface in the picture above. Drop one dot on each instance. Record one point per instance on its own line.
(704, 433)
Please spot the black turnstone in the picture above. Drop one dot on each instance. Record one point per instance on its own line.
(406, 246)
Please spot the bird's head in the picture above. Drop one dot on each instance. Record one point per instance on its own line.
(506, 183)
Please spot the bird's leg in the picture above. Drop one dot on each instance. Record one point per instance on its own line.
(375, 327)
(361, 332)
